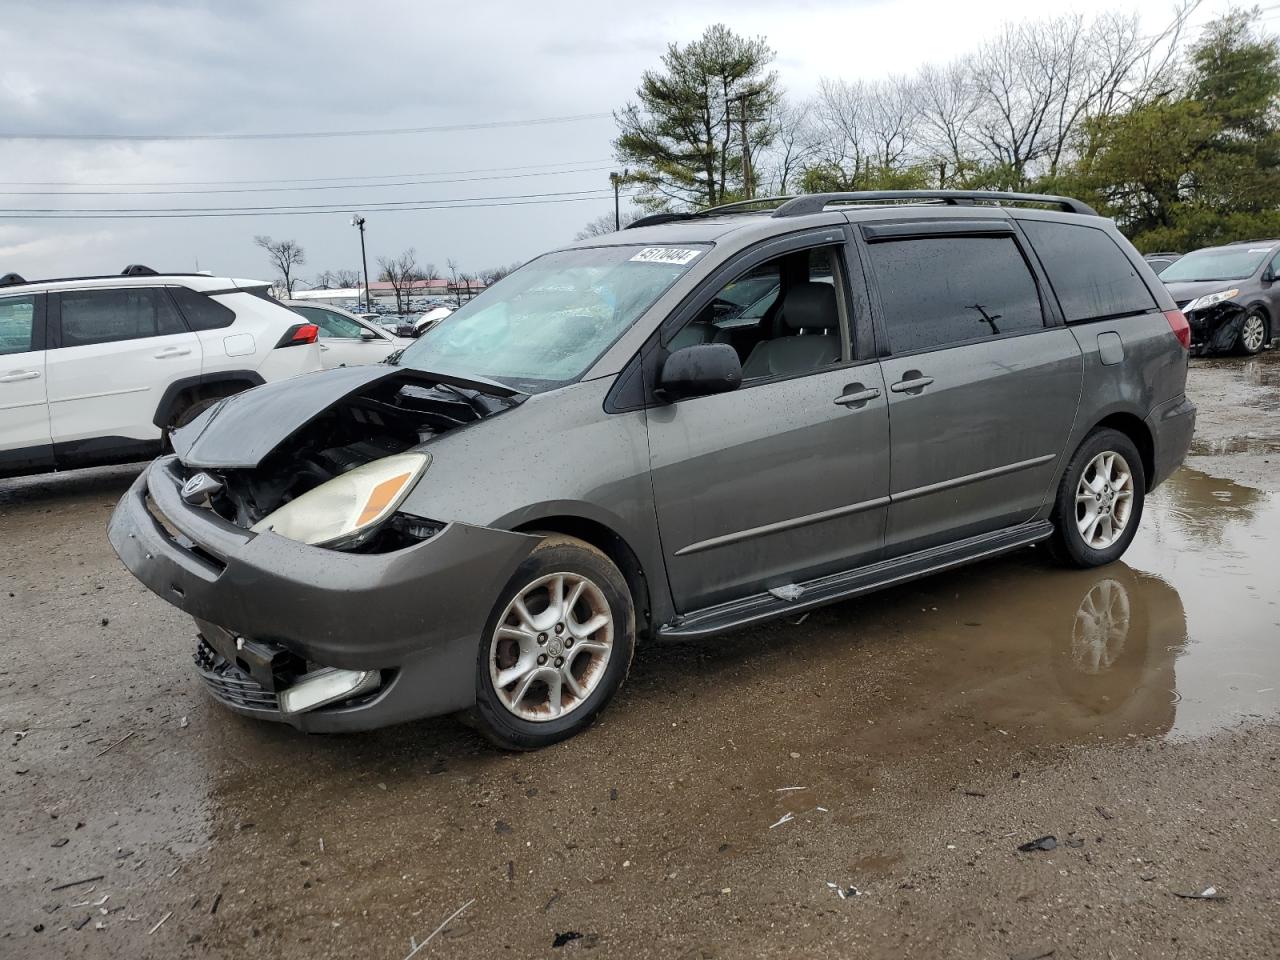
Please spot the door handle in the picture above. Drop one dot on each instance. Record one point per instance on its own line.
(173, 352)
(913, 381)
(20, 375)
(856, 395)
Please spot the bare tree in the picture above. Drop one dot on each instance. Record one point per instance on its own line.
(795, 146)
(947, 99)
(401, 272)
(494, 274)
(284, 256)
(342, 279)
(604, 224)
(452, 266)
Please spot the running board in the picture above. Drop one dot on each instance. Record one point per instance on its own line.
(851, 583)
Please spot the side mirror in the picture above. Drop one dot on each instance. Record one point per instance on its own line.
(699, 370)
(369, 335)
(1268, 275)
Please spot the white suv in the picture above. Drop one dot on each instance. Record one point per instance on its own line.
(96, 370)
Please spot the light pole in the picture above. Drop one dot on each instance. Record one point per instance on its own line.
(358, 221)
(616, 179)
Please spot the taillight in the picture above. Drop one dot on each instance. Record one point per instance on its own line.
(1181, 329)
(299, 335)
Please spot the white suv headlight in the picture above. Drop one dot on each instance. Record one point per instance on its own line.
(347, 507)
(1210, 299)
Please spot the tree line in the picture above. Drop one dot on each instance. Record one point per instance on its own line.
(402, 272)
(1176, 137)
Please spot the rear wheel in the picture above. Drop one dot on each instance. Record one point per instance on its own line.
(1099, 501)
(556, 648)
(1254, 332)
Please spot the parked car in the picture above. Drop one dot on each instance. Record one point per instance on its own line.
(345, 339)
(1158, 261)
(1230, 295)
(96, 370)
(414, 327)
(580, 457)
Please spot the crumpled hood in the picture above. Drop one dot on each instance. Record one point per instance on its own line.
(240, 431)
(1190, 289)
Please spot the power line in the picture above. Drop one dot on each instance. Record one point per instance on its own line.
(333, 207)
(216, 183)
(305, 135)
(332, 186)
(288, 213)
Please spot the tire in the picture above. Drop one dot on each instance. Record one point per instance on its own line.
(1255, 332)
(530, 721)
(1117, 507)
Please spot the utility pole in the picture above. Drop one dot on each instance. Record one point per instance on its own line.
(358, 221)
(748, 189)
(616, 179)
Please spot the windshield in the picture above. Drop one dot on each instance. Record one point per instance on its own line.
(545, 324)
(1219, 263)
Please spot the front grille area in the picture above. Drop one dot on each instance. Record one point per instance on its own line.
(231, 685)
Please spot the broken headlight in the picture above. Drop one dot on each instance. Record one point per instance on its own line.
(1210, 300)
(349, 508)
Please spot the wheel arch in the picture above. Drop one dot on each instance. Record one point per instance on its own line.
(604, 538)
(188, 390)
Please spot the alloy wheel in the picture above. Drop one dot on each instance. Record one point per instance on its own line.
(1253, 333)
(551, 646)
(1104, 500)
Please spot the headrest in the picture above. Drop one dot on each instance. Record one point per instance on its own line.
(810, 306)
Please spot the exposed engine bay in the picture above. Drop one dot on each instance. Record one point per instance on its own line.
(387, 417)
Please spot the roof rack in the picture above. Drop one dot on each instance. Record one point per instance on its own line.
(817, 202)
(11, 280)
(138, 270)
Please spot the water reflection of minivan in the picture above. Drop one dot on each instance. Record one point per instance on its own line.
(586, 455)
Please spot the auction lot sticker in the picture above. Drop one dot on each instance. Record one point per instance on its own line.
(672, 255)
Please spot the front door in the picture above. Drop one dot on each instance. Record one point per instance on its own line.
(783, 479)
(982, 394)
(24, 410)
(115, 353)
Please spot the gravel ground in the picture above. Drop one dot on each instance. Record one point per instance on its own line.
(896, 749)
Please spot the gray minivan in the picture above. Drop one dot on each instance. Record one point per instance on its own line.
(700, 422)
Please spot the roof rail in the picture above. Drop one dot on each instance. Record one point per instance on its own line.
(737, 206)
(11, 280)
(817, 202)
(138, 270)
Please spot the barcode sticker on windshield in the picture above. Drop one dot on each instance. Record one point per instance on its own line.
(672, 255)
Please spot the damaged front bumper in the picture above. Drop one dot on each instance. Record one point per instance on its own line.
(272, 612)
(1216, 329)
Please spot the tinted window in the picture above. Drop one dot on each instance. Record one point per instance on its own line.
(105, 316)
(331, 324)
(17, 324)
(202, 313)
(937, 291)
(1089, 272)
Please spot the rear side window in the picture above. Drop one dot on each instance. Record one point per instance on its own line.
(331, 324)
(107, 316)
(938, 291)
(17, 324)
(1088, 271)
(202, 313)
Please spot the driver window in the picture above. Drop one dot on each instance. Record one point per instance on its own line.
(332, 324)
(781, 316)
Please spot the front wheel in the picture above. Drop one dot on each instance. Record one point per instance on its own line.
(1253, 333)
(556, 648)
(1099, 501)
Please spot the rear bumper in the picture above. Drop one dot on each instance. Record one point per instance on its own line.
(415, 614)
(1171, 425)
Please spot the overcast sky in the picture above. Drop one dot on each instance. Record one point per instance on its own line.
(127, 67)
